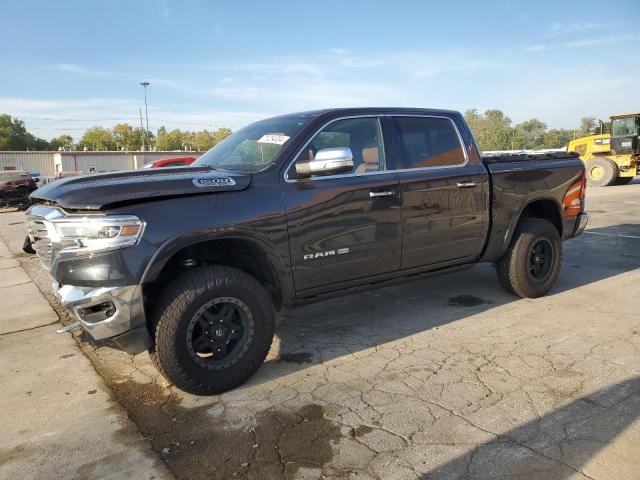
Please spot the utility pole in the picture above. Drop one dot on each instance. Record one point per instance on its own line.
(146, 110)
(142, 129)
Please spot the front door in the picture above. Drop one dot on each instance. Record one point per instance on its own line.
(343, 227)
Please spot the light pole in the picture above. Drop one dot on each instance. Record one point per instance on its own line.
(146, 111)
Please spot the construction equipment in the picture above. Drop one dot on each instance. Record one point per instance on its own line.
(611, 159)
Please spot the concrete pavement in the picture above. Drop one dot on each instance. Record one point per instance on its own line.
(58, 417)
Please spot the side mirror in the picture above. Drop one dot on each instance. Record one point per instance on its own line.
(36, 179)
(328, 161)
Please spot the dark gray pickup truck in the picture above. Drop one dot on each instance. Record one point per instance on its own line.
(193, 263)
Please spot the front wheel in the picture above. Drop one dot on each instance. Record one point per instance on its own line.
(213, 329)
(531, 265)
(601, 172)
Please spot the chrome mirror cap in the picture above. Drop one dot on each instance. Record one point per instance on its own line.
(328, 161)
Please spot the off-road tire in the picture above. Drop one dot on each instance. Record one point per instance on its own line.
(178, 303)
(623, 180)
(609, 170)
(513, 270)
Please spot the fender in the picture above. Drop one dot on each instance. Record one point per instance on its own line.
(515, 219)
(281, 271)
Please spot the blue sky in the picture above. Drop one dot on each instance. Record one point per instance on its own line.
(68, 65)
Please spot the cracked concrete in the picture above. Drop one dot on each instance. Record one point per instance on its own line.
(449, 377)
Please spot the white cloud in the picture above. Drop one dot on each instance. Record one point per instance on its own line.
(559, 28)
(50, 118)
(80, 70)
(584, 42)
(537, 48)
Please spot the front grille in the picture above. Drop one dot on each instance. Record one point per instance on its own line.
(39, 234)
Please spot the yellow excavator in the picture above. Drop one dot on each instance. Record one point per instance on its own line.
(611, 159)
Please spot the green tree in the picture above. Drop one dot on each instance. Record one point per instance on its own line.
(220, 134)
(557, 138)
(14, 136)
(63, 141)
(97, 138)
(492, 129)
(123, 136)
(528, 135)
(172, 140)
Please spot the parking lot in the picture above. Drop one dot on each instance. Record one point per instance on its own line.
(448, 377)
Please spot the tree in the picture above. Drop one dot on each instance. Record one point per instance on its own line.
(14, 136)
(97, 138)
(221, 134)
(557, 138)
(588, 125)
(492, 129)
(172, 140)
(123, 136)
(63, 141)
(528, 135)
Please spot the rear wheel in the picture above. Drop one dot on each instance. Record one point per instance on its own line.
(532, 264)
(601, 172)
(212, 330)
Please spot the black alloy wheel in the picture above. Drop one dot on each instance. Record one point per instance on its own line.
(540, 259)
(220, 333)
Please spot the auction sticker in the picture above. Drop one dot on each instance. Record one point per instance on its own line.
(274, 138)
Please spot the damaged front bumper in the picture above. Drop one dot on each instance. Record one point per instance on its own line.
(111, 314)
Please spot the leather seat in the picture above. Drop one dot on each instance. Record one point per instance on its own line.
(370, 160)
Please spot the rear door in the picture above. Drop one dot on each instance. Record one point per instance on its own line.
(444, 193)
(343, 227)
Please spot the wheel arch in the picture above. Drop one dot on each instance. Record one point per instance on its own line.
(241, 249)
(546, 208)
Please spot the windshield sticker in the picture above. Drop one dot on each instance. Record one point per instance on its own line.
(275, 138)
(213, 181)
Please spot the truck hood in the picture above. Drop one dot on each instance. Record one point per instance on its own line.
(94, 192)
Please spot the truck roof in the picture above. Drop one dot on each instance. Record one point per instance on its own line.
(372, 111)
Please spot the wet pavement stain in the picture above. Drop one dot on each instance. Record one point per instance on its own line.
(297, 357)
(196, 444)
(467, 301)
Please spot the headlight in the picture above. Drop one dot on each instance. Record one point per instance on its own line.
(94, 234)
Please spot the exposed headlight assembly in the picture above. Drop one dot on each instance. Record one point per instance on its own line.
(91, 234)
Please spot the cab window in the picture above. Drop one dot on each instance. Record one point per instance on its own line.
(362, 135)
(429, 142)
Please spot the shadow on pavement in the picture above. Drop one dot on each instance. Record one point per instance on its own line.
(557, 445)
(326, 330)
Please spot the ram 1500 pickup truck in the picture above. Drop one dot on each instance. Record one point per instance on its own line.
(193, 263)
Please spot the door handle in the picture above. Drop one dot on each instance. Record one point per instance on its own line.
(466, 184)
(388, 193)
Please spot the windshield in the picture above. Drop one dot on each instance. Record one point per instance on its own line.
(253, 147)
(623, 127)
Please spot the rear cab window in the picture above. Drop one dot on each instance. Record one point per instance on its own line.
(428, 142)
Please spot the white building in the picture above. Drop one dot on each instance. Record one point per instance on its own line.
(47, 164)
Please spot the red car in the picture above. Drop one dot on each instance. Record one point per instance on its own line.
(171, 162)
(16, 184)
